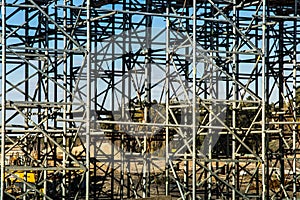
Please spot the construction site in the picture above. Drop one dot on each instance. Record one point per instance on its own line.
(150, 99)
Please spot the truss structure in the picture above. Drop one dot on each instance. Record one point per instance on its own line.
(127, 99)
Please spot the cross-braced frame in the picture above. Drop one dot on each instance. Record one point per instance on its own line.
(131, 99)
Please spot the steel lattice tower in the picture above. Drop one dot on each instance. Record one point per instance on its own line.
(133, 99)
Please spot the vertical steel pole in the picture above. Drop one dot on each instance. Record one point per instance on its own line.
(26, 93)
(88, 97)
(65, 107)
(146, 168)
(186, 119)
(194, 132)
(210, 130)
(3, 98)
(235, 91)
(295, 126)
(167, 97)
(263, 103)
(125, 49)
(123, 115)
(46, 65)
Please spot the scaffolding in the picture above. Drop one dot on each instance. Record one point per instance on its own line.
(139, 98)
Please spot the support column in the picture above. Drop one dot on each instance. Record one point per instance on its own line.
(88, 98)
(263, 102)
(65, 106)
(3, 98)
(235, 97)
(167, 184)
(194, 131)
(295, 126)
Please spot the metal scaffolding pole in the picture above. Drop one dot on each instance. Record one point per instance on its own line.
(194, 104)
(263, 103)
(295, 127)
(167, 93)
(3, 97)
(88, 97)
